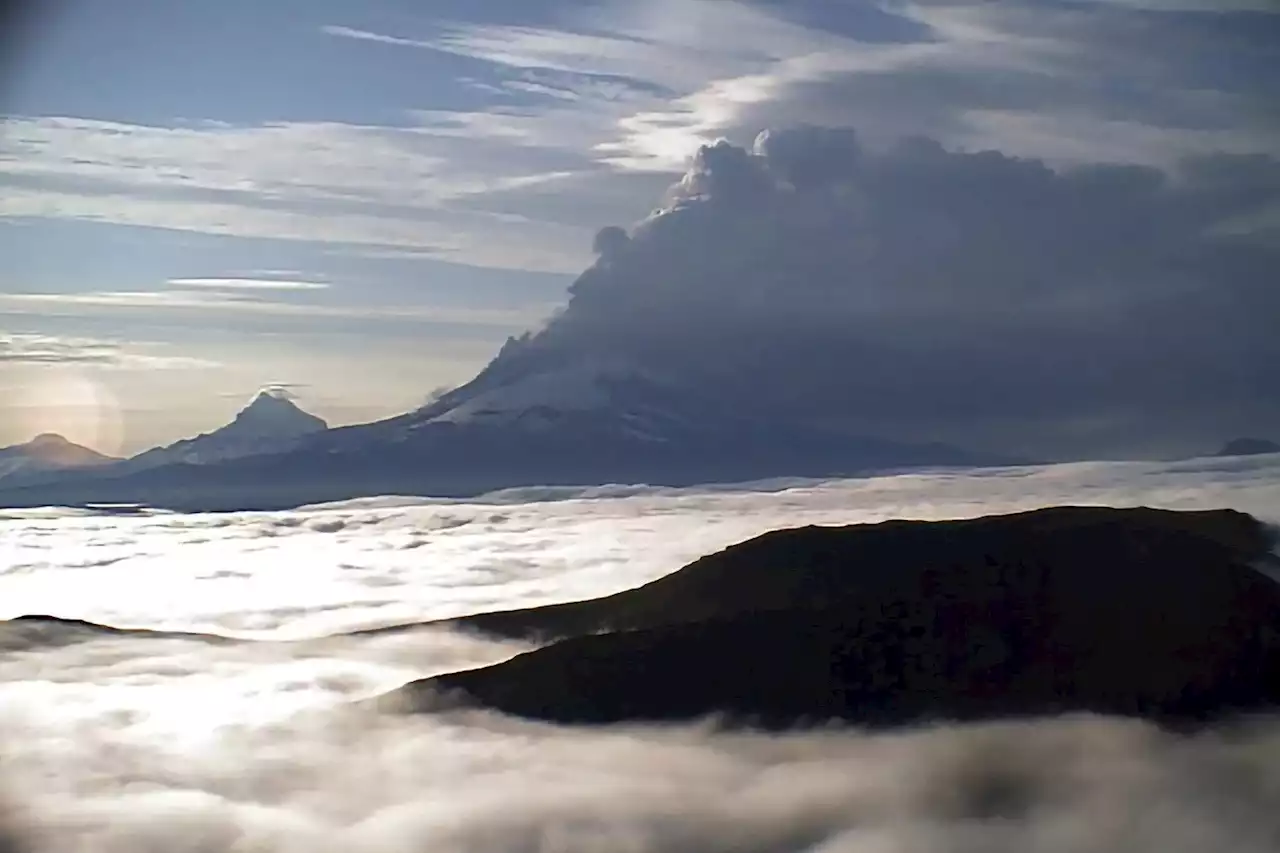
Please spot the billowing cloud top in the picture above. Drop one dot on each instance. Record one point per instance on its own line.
(970, 296)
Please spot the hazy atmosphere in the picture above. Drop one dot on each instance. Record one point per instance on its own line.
(639, 426)
(371, 196)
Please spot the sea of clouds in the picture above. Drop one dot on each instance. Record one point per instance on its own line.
(176, 745)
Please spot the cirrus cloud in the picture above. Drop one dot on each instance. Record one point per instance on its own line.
(36, 349)
(572, 105)
(249, 283)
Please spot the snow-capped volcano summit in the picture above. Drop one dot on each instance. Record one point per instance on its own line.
(272, 414)
(579, 387)
(271, 422)
(537, 415)
(560, 397)
(528, 419)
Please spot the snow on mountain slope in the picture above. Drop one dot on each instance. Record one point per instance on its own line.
(48, 453)
(272, 414)
(545, 399)
(271, 422)
(528, 419)
(575, 388)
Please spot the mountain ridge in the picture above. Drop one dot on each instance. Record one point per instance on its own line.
(1248, 447)
(270, 422)
(48, 453)
(1146, 612)
(544, 423)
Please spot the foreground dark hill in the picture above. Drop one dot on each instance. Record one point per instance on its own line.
(1138, 611)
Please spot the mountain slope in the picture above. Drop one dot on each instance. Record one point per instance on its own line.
(1147, 612)
(271, 422)
(822, 567)
(526, 423)
(48, 453)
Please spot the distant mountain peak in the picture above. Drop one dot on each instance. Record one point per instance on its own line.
(275, 392)
(271, 421)
(273, 412)
(58, 450)
(535, 417)
(48, 451)
(48, 439)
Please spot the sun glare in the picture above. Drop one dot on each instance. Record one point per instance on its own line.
(72, 404)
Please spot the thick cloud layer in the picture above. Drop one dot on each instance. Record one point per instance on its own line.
(483, 785)
(126, 745)
(382, 561)
(964, 296)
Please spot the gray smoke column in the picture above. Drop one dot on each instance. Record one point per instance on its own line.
(965, 296)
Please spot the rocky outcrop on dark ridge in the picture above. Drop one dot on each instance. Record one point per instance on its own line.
(40, 631)
(1144, 612)
(1248, 447)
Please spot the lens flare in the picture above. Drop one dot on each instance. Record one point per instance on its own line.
(70, 403)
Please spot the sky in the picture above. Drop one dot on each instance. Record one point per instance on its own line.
(363, 199)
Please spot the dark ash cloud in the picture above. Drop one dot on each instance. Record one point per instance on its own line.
(964, 296)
